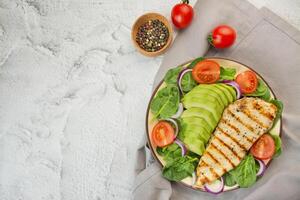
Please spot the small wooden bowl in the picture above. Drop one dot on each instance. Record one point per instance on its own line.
(142, 20)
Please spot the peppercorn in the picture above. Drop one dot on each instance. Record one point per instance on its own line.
(152, 35)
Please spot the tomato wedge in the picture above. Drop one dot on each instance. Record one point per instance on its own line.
(263, 148)
(206, 71)
(163, 134)
(247, 81)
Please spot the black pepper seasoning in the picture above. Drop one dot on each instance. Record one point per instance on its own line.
(152, 36)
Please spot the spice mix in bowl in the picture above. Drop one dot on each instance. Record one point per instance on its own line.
(152, 34)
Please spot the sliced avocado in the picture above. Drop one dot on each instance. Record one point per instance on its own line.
(202, 113)
(205, 92)
(231, 90)
(207, 102)
(197, 131)
(226, 92)
(212, 90)
(195, 145)
(198, 121)
(196, 134)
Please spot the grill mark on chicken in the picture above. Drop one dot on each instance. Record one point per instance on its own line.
(250, 128)
(253, 118)
(220, 152)
(214, 173)
(244, 126)
(233, 139)
(231, 149)
(204, 178)
(261, 110)
(216, 161)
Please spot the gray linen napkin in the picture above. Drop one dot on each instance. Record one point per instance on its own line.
(270, 46)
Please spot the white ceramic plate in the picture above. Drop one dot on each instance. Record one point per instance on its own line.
(150, 122)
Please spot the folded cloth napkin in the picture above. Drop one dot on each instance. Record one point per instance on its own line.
(271, 47)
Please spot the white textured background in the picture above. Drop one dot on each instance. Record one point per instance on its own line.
(73, 95)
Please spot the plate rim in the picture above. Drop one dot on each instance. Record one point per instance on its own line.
(155, 91)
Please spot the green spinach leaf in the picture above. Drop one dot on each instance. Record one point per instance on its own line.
(172, 75)
(227, 73)
(279, 106)
(261, 91)
(187, 82)
(194, 62)
(170, 152)
(165, 103)
(229, 179)
(245, 173)
(180, 168)
(278, 149)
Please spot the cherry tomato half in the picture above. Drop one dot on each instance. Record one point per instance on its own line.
(263, 148)
(206, 71)
(163, 134)
(222, 36)
(247, 81)
(182, 14)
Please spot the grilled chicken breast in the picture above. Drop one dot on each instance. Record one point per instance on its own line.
(242, 123)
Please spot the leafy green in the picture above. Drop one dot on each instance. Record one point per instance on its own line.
(172, 75)
(187, 82)
(262, 91)
(278, 149)
(245, 173)
(194, 62)
(165, 103)
(177, 167)
(170, 152)
(227, 73)
(180, 168)
(229, 179)
(279, 106)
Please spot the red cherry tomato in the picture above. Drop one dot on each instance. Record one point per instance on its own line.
(163, 134)
(206, 71)
(263, 148)
(222, 36)
(247, 81)
(182, 14)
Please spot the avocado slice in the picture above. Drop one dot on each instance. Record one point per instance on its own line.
(195, 145)
(226, 92)
(197, 131)
(207, 102)
(212, 89)
(202, 113)
(198, 121)
(231, 90)
(205, 92)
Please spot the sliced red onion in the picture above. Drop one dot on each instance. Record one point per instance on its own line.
(182, 146)
(262, 168)
(215, 187)
(179, 111)
(180, 76)
(236, 87)
(173, 121)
